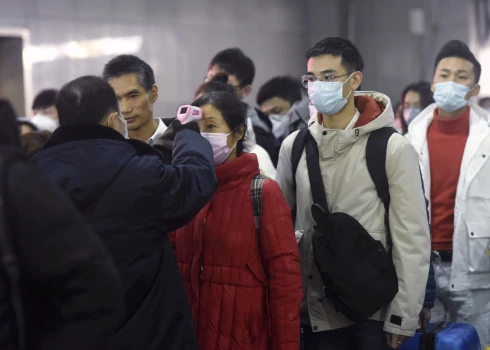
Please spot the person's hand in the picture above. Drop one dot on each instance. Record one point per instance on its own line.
(424, 318)
(395, 341)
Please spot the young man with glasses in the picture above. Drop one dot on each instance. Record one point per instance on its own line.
(341, 130)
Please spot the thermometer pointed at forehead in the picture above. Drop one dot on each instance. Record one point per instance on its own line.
(188, 113)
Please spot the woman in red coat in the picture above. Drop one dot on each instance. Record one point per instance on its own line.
(244, 294)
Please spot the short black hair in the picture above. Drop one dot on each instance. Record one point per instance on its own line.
(45, 99)
(235, 62)
(85, 100)
(284, 87)
(351, 58)
(218, 83)
(457, 48)
(129, 64)
(234, 112)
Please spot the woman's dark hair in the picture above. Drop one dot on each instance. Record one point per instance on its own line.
(423, 88)
(234, 112)
(33, 142)
(9, 132)
(218, 83)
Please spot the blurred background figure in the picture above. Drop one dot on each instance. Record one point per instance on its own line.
(33, 142)
(485, 103)
(219, 83)
(241, 72)
(44, 104)
(44, 113)
(415, 98)
(275, 99)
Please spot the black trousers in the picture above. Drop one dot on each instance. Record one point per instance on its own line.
(368, 335)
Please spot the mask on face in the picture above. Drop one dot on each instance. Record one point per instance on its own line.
(409, 114)
(280, 125)
(327, 97)
(218, 142)
(450, 96)
(125, 130)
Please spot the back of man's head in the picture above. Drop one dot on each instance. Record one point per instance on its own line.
(235, 62)
(129, 64)
(86, 100)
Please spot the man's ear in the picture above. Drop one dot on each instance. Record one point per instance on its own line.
(154, 94)
(432, 87)
(111, 120)
(356, 80)
(476, 91)
(246, 90)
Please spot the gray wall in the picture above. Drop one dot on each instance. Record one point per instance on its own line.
(12, 73)
(179, 37)
(394, 57)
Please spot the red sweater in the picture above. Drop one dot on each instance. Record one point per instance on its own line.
(446, 140)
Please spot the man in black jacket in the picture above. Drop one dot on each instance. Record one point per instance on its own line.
(60, 289)
(132, 199)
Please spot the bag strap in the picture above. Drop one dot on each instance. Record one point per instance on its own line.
(256, 195)
(376, 150)
(296, 153)
(315, 174)
(8, 255)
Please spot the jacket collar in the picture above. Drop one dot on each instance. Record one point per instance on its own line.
(238, 170)
(479, 127)
(71, 133)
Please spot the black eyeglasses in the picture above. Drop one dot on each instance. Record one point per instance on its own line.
(308, 78)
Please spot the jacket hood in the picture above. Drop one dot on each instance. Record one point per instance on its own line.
(375, 111)
(84, 160)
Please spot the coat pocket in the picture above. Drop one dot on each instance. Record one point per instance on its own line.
(479, 246)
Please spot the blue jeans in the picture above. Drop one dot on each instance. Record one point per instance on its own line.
(368, 335)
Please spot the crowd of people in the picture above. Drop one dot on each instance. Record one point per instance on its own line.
(324, 218)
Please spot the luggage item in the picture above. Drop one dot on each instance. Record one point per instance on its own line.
(445, 336)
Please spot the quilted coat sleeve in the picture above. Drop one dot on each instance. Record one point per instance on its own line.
(281, 259)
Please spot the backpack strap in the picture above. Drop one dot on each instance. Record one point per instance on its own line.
(315, 174)
(296, 153)
(376, 150)
(8, 256)
(256, 195)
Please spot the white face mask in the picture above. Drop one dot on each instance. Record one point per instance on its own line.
(280, 125)
(219, 144)
(327, 96)
(125, 130)
(450, 96)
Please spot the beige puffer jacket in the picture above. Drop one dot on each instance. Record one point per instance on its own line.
(349, 189)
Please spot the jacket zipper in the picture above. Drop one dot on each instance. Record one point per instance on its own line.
(200, 258)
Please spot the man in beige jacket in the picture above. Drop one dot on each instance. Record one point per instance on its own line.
(341, 129)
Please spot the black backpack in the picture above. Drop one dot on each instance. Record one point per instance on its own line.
(357, 271)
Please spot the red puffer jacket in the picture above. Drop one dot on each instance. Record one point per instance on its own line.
(242, 296)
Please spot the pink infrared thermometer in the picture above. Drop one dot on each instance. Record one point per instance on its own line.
(188, 113)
